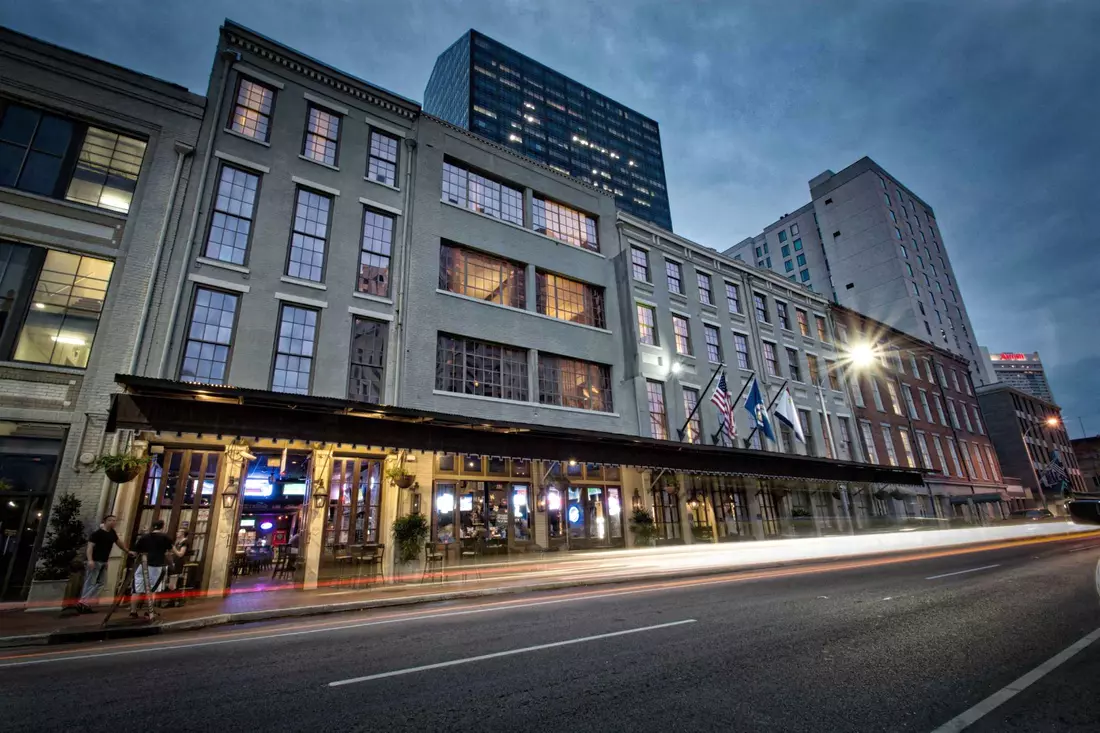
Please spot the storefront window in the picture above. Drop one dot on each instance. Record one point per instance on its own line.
(666, 515)
(498, 466)
(521, 467)
(443, 528)
(446, 462)
(472, 464)
(521, 509)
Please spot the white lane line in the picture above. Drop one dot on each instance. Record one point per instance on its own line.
(1000, 697)
(962, 572)
(509, 653)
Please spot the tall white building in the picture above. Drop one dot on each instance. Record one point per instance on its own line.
(875, 247)
(1020, 371)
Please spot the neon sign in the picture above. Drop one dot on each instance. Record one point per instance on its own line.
(1012, 357)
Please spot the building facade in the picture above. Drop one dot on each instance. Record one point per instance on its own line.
(791, 247)
(484, 86)
(1031, 442)
(93, 158)
(1087, 453)
(882, 254)
(915, 406)
(1021, 371)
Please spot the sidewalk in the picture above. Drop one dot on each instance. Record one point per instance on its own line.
(22, 628)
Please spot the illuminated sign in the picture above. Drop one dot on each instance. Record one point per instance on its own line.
(258, 487)
(266, 526)
(574, 514)
(1012, 357)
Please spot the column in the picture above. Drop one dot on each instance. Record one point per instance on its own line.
(127, 510)
(309, 543)
(685, 511)
(756, 514)
(224, 518)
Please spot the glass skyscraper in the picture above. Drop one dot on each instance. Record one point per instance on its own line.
(498, 93)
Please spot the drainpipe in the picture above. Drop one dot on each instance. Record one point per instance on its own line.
(182, 151)
(227, 57)
(406, 257)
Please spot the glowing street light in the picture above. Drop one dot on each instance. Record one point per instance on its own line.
(862, 355)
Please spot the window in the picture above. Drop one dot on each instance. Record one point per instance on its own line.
(694, 430)
(647, 328)
(897, 233)
(366, 381)
(733, 298)
(639, 261)
(916, 289)
(822, 329)
(814, 367)
(886, 198)
(844, 438)
(793, 365)
(382, 162)
(924, 404)
(808, 432)
(804, 276)
(964, 449)
(798, 245)
(568, 300)
(565, 224)
(895, 403)
(761, 306)
(942, 376)
(307, 241)
(231, 222)
(704, 288)
(830, 373)
(33, 148)
(567, 382)
(658, 419)
(907, 447)
(922, 444)
(801, 260)
(209, 336)
(993, 463)
(674, 275)
(62, 314)
(374, 258)
(978, 420)
(770, 360)
(714, 345)
(888, 439)
(909, 269)
(477, 275)
(905, 254)
(782, 316)
(955, 380)
(980, 461)
(788, 266)
(953, 414)
(741, 346)
(682, 330)
(322, 135)
(928, 370)
(939, 409)
(914, 366)
(794, 230)
(803, 322)
(106, 171)
(786, 250)
(251, 114)
(477, 193)
(893, 217)
(868, 441)
(876, 394)
(954, 456)
(909, 403)
(782, 235)
(966, 417)
(294, 350)
(468, 366)
(939, 454)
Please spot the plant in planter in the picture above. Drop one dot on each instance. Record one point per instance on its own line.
(800, 512)
(400, 477)
(121, 467)
(409, 534)
(65, 540)
(5, 485)
(643, 527)
(897, 494)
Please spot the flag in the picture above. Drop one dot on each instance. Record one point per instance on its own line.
(788, 414)
(723, 403)
(754, 403)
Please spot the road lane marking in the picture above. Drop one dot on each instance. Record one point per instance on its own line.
(962, 572)
(509, 653)
(1006, 693)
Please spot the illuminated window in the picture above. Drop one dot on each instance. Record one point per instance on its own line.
(322, 134)
(569, 300)
(770, 360)
(477, 193)
(907, 447)
(803, 322)
(482, 276)
(307, 241)
(830, 372)
(566, 382)
(658, 418)
(693, 433)
(107, 170)
(468, 366)
(374, 258)
(231, 222)
(814, 368)
(565, 224)
(682, 330)
(382, 163)
(251, 114)
(714, 344)
(647, 328)
(822, 329)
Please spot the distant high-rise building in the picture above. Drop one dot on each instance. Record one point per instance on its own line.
(874, 246)
(486, 87)
(1021, 371)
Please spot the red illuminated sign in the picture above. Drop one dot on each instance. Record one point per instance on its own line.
(1012, 357)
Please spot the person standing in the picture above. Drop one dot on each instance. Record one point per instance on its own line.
(97, 555)
(153, 549)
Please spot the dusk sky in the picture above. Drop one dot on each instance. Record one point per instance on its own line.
(987, 109)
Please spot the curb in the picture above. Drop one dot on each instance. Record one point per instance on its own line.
(243, 617)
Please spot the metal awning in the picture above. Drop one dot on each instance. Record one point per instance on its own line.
(168, 406)
(977, 498)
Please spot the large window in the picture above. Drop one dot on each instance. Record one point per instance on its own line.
(694, 431)
(49, 155)
(794, 367)
(482, 276)
(782, 316)
(844, 438)
(922, 445)
(813, 366)
(569, 300)
(658, 417)
(366, 374)
(374, 259)
(895, 403)
(322, 135)
(565, 224)
(307, 241)
(231, 222)
(574, 383)
(760, 304)
(647, 327)
(681, 327)
(674, 276)
(803, 322)
(477, 193)
(382, 164)
(888, 442)
(741, 346)
(51, 302)
(209, 337)
(822, 329)
(771, 362)
(294, 350)
(733, 298)
(467, 366)
(251, 115)
(868, 441)
(907, 446)
(705, 296)
(714, 343)
(639, 263)
(909, 403)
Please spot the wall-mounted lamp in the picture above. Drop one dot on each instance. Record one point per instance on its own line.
(636, 501)
(230, 493)
(540, 503)
(320, 495)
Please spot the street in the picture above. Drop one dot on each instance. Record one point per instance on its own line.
(887, 647)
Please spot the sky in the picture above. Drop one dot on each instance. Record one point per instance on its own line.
(986, 109)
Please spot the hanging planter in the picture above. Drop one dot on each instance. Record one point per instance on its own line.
(121, 467)
(882, 494)
(835, 494)
(897, 494)
(780, 493)
(400, 477)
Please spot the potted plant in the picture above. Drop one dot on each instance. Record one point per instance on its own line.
(409, 534)
(881, 494)
(5, 485)
(643, 527)
(121, 467)
(400, 477)
(60, 573)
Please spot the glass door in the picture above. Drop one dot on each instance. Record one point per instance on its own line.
(21, 520)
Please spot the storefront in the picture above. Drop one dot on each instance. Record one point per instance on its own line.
(28, 473)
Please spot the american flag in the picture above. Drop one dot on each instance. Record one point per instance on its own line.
(724, 403)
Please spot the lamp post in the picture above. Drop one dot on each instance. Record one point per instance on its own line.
(1050, 422)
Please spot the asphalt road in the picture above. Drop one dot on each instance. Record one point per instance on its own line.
(879, 647)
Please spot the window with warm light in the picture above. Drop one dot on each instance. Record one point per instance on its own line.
(693, 433)
(565, 224)
(567, 382)
(251, 114)
(681, 328)
(469, 366)
(647, 328)
(482, 276)
(658, 417)
(569, 300)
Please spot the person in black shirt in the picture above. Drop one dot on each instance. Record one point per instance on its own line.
(155, 546)
(97, 554)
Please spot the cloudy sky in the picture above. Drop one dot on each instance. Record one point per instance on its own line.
(987, 109)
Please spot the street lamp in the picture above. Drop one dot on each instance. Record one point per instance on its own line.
(1051, 421)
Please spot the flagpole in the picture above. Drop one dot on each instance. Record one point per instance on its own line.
(680, 432)
(733, 405)
(770, 406)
